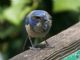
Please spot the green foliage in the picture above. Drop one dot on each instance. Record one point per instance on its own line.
(17, 10)
(63, 5)
(14, 14)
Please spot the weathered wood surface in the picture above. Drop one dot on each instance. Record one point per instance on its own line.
(64, 43)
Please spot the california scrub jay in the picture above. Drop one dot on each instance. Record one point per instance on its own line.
(38, 24)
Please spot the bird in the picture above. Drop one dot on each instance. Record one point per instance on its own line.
(38, 24)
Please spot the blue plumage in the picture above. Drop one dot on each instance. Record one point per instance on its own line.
(32, 22)
(38, 24)
(38, 13)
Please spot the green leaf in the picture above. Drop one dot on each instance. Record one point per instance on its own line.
(62, 5)
(7, 32)
(17, 11)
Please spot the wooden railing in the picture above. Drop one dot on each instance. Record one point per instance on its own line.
(64, 43)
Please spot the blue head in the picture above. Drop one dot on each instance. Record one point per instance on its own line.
(37, 16)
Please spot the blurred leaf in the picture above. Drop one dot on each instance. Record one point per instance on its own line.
(16, 44)
(12, 15)
(1, 15)
(15, 14)
(18, 9)
(20, 3)
(62, 5)
(7, 32)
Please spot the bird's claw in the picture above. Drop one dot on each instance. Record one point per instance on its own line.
(34, 48)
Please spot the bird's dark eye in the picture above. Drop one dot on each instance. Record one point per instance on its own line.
(37, 17)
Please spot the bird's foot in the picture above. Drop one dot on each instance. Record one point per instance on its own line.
(34, 48)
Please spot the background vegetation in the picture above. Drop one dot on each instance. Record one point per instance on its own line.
(12, 14)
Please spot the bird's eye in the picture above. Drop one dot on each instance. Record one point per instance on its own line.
(37, 17)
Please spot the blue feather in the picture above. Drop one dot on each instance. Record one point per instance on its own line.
(39, 13)
(32, 22)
